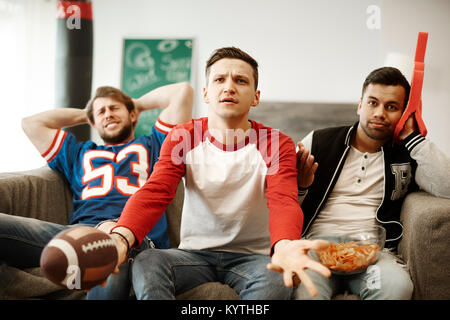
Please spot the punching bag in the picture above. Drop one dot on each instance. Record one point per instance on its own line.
(73, 69)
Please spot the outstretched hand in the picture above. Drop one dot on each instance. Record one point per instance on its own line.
(291, 259)
(306, 167)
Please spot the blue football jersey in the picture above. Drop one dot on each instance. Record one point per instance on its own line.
(103, 177)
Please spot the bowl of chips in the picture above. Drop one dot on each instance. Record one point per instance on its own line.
(350, 251)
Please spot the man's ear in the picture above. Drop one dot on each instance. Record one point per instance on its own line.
(358, 111)
(205, 96)
(256, 98)
(134, 118)
(89, 121)
(133, 115)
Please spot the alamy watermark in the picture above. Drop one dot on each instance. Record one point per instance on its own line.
(267, 141)
(72, 14)
(373, 21)
(73, 278)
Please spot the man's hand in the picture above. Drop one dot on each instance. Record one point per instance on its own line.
(121, 245)
(106, 226)
(306, 167)
(122, 250)
(409, 127)
(291, 259)
(124, 241)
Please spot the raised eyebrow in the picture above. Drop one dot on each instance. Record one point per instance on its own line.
(241, 76)
(393, 102)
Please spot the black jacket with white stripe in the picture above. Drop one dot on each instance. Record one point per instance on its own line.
(330, 148)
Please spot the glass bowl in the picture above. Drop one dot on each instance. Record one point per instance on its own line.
(351, 250)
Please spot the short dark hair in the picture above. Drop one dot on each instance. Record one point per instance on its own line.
(109, 92)
(389, 76)
(232, 53)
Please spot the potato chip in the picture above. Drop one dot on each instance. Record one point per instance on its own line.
(348, 256)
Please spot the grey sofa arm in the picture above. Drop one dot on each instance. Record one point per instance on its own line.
(425, 245)
(39, 193)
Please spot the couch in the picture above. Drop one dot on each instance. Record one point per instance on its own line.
(43, 194)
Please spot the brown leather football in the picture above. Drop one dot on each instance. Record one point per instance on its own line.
(80, 257)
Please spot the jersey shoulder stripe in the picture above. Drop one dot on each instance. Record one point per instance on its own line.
(54, 148)
(163, 127)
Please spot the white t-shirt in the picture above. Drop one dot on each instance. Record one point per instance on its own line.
(357, 194)
(237, 198)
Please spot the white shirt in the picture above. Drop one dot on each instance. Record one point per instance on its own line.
(224, 205)
(357, 194)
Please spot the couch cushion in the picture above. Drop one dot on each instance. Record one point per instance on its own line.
(40, 193)
(426, 221)
(173, 215)
(31, 284)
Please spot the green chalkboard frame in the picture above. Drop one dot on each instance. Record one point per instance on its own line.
(151, 63)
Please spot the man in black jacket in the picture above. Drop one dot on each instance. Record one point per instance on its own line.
(356, 176)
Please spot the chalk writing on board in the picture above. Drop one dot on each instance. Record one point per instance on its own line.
(151, 63)
(138, 57)
(176, 69)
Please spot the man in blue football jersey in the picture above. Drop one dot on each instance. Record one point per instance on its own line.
(102, 177)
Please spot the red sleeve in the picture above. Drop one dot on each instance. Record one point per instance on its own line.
(285, 214)
(145, 207)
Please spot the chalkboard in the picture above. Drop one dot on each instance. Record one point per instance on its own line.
(151, 63)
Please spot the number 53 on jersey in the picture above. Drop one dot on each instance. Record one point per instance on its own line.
(110, 178)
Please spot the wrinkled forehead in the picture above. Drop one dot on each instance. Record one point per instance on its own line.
(104, 102)
(235, 67)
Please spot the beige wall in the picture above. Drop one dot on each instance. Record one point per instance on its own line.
(402, 21)
(309, 51)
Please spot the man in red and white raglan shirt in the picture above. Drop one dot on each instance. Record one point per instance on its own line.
(240, 208)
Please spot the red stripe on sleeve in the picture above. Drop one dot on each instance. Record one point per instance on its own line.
(52, 145)
(285, 214)
(59, 147)
(166, 124)
(163, 127)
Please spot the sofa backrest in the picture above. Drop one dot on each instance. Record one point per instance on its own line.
(39, 193)
(173, 213)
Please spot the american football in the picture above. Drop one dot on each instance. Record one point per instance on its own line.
(79, 258)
